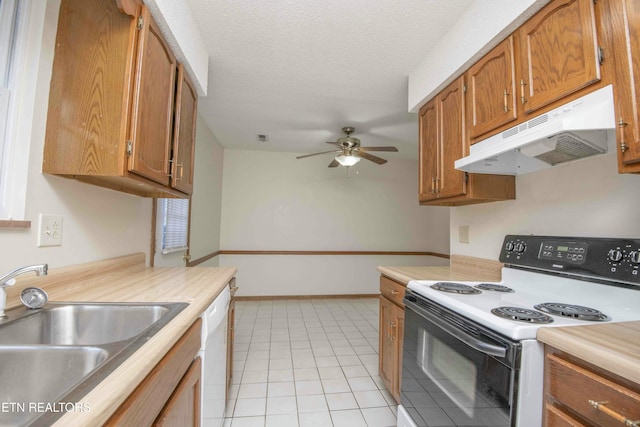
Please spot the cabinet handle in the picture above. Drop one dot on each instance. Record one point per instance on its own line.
(394, 292)
(506, 101)
(600, 406)
(433, 185)
(522, 85)
(623, 145)
(392, 325)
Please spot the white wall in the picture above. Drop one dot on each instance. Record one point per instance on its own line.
(271, 201)
(97, 223)
(206, 202)
(586, 198)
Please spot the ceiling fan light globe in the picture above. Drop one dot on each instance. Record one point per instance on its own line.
(347, 160)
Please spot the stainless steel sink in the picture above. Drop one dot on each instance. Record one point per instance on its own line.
(60, 352)
(82, 324)
(31, 375)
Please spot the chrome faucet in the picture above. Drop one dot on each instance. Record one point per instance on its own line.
(9, 280)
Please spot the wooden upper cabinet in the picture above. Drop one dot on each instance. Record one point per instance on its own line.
(492, 90)
(558, 52)
(625, 25)
(112, 102)
(184, 134)
(428, 151)
(152, 113)
(453, 145)
(443, 141)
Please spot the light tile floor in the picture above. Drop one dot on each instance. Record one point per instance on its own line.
(308, 363)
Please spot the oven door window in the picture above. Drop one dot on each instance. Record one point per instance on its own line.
(447, 382)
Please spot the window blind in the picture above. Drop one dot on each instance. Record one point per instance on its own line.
(175, 226)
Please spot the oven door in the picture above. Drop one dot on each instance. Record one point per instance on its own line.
(455, 373)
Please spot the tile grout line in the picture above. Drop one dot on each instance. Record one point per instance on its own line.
(323, 315)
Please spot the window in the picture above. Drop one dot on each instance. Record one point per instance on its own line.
(21, 28)
(175, 226)
(8, 21)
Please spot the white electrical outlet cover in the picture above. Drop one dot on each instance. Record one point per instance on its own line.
(49, 230)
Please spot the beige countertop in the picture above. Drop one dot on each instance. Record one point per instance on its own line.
(127, 280)
(461, 268)
(614, 347)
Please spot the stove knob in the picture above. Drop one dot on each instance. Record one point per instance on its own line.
(520, 247)
(509, 246)
(615, 255)
(635, 257)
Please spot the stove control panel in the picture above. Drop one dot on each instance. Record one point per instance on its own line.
(573, 253)
(613, 260)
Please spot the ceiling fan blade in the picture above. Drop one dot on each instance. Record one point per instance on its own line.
(394, 149)
(370, 157)
(334, 143)
(316, 154)
(334, 164)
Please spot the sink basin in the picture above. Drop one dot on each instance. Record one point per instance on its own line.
(62, 351)
(32, 374)
(82, 324)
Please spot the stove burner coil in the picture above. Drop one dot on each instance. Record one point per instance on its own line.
(574, 311)
(522, 314)
(456, 288)
(495, 287)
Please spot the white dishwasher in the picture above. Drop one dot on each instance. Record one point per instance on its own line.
(214, 361)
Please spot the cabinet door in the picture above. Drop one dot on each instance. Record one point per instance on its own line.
(558, 52)
(184, 136)
(152, 112)
(387, 348)
(391, 334)
(452, 143)
(556, 417)
(183, 407)
(492, 98)
(626, 37)
(398, 335)
(428, 152)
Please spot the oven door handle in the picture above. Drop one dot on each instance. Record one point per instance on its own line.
(479, 345)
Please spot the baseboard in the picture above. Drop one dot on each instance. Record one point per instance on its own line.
(303, 297)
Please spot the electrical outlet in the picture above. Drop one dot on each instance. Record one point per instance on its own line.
(49, 230)
(463, 234)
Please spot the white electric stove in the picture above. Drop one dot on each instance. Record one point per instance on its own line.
(470, 354)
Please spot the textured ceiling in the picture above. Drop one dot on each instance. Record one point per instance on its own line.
(300, 70)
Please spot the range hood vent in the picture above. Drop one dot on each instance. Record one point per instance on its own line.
(582, 128)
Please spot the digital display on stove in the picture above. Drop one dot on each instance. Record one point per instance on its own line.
(573, 253)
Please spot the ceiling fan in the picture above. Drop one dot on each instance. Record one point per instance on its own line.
(350, 152)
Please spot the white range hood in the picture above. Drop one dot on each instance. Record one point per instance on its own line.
(582, 128)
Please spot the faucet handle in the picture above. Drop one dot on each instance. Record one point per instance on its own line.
(9, 282)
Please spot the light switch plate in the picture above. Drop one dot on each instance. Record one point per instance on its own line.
(463, 234)
(49, 230)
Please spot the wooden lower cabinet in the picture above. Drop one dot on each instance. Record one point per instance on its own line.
(580, 394)
(170, 394)
(391, 334)
(183, 407)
